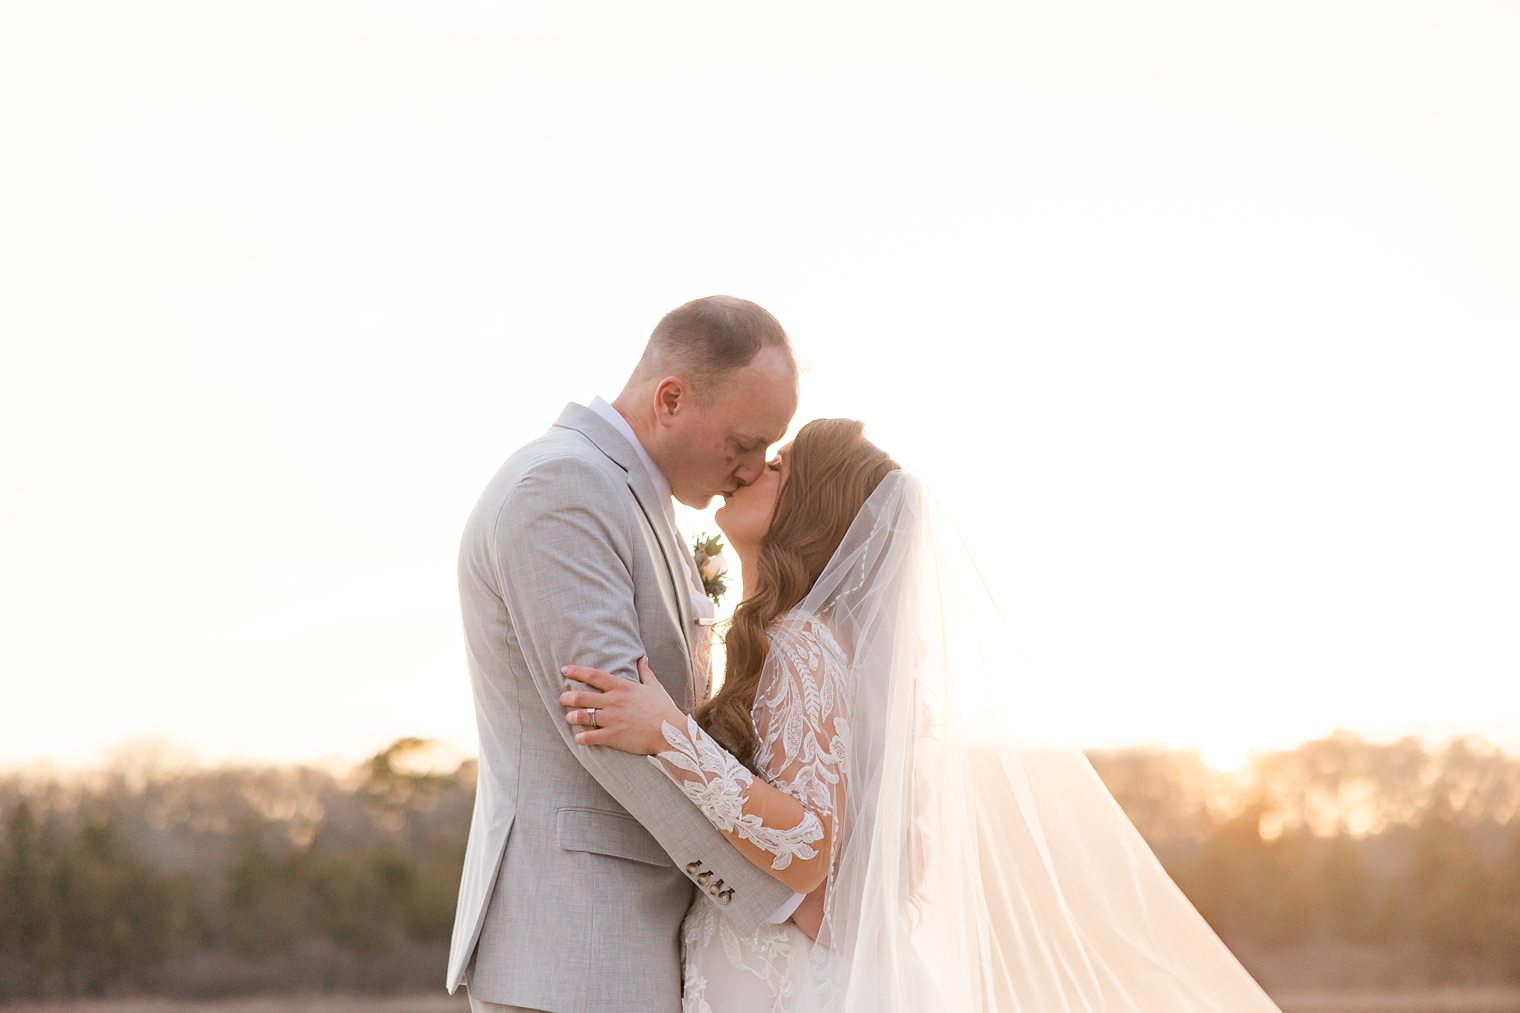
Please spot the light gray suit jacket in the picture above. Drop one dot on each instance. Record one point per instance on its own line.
(581, 859)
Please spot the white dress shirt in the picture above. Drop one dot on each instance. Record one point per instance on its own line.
(701, 604)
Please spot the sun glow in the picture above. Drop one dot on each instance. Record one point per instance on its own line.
(1214, 359)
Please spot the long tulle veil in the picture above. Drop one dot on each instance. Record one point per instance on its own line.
(980, 863)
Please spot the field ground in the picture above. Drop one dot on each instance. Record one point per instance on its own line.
(1448, 1001)
(1455, 1000)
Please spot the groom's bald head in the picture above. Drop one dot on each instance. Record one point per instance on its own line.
(708, 340)
(717, 385)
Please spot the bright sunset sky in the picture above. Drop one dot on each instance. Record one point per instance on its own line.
(1203, 317)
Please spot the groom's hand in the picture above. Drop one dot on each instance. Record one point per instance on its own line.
(628, 716)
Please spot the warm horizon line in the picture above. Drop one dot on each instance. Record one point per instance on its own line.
(165, 755)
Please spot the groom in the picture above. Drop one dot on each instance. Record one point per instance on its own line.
(581, 861)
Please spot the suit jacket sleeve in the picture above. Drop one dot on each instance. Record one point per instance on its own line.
(562, 547)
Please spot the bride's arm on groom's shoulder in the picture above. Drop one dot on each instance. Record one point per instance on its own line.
(786, 828)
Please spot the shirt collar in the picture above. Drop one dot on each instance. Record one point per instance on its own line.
(615, 419)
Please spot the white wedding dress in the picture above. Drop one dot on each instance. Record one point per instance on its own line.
(801, 739)
(976, 861)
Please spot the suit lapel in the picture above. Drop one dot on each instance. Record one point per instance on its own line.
(612, 443)
(654, 512)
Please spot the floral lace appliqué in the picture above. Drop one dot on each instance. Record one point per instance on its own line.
(801, 731)
(801, 740)
(716, 787)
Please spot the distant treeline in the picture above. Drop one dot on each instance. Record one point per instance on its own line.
(1339, 862)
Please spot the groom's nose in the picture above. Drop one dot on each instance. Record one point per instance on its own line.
(746, 474)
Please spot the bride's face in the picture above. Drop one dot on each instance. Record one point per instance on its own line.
(745, 516)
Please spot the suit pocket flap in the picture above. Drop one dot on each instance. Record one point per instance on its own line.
(607, 833)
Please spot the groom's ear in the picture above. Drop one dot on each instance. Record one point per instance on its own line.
(670, 397)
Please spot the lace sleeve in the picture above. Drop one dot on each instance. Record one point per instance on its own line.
(783, 822)
(801, 729)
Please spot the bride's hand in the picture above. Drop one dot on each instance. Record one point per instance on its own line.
(809, 914)
(629, 715)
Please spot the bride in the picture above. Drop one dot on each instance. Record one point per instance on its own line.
(870, 749)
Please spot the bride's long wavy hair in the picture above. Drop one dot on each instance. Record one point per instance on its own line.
(832, 469)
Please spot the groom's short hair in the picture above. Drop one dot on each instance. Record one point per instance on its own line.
(708, 338)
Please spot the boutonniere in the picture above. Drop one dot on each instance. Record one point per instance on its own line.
(712, 565)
